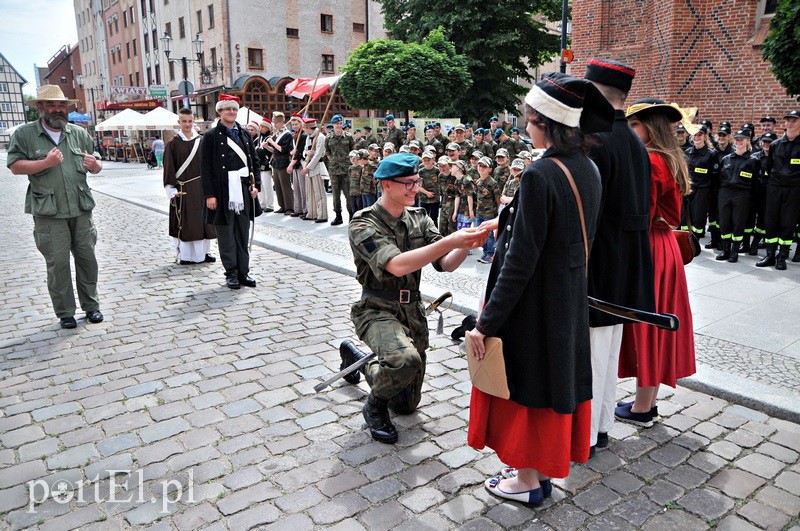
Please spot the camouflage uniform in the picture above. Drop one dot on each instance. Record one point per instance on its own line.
(338, 148)
(397, 333)
(465, 187)
(437, 146)
(430, 181)
(354, 191)
(486, 148)
(511, 187)
(487, 194)
(501, 174)
(466, 150)
(395, 136)
(447, 185)
(511, 146)
(442, 138)
(368, 183)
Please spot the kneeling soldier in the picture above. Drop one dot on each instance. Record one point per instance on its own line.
(391, 242)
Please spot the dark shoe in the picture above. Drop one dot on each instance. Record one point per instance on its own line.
(288, 213)
(296, 214)
(468, 323)
(796, 257)
(233, 283)
(248, 282)
(376, 414)
(746, 244)
(726, 251)
(280, 211)
(321, 220)
(653, 410)
(625, 414)
(734, 257)
(350, 354)
(209, 259)
(268, 210)
(769, 259)
(592, 451)
(511, 472)
(338, 220)
(602, 440)
(780, 261)
(68, 322)
(529, 497)
(188, 262)
(711, 245)
(95, 316)
(753, 251)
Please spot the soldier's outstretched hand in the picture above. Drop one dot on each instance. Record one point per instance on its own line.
(469, 238)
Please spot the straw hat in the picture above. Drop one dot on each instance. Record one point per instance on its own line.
(50, 93)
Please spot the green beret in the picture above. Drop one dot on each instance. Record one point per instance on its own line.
(397, 166)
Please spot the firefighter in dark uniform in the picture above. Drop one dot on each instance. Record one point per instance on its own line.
(709, 125)
(703, 165)
(783, 194)
(758, 194)
(724, 147)
(767, 126)
(737, 172)
(684, 138)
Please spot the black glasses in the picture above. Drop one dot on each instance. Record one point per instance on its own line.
(410, 185)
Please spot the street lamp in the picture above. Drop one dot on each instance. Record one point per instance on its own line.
(197, 46)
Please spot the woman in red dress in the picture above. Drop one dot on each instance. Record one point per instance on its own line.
(536, 299)
(653, 355)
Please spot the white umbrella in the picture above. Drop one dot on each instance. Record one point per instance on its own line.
(127, 120)
(159, 119)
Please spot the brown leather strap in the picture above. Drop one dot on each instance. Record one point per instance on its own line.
(580, 208)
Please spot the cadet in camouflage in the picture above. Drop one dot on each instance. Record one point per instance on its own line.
(447, 188)
(338, 146)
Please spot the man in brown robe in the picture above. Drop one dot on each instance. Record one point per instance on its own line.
(191, 234)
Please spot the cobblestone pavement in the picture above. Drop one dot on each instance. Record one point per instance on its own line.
(206, 394)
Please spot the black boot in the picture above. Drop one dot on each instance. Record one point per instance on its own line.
(338, 220)
(715, 238)
(726, 251)
(768, 260)
(796, 257)
(746, 244)
(780, 258)
(754, 245)
(350, 354)
(734, 257)
(376, 415)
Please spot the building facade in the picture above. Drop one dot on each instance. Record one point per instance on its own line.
(64, 71)
(12, 102)
(697, 53)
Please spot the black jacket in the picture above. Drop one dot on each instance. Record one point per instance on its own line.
(738, 171)
(784, 162)
(763, 171)
(217, 159)
(621, 265)
(280, 159)
(536, 291)
(703, 166)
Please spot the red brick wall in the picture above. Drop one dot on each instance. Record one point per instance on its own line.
(697, 53)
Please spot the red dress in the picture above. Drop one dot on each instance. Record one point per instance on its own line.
(652, 355)
(529, 437)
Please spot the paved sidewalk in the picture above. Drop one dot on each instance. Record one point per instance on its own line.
(745, 318)
(188, 383)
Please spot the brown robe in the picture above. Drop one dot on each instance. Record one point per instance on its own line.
(191, 226)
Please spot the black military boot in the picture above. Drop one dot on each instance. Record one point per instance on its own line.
(376, 415)
(768, 260)
(754, 245)
(796, 257)
(746, 244)
(350, 354)
(715, 238)
(726, 251)
(338, 220)
(780, 258)
(734, 257)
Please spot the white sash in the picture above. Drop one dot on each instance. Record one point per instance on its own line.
(238, 150)
(188, 160)
(235, 198)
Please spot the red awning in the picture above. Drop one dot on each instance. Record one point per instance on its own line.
(179, 97)
(140, 105)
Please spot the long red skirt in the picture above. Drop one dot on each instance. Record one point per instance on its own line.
(527, 437)
(655, 356)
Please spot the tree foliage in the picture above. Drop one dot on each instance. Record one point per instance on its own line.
(31, 112)
(502, 40)
(782, 44)
(392, 74)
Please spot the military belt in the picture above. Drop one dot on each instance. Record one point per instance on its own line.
(403, 296)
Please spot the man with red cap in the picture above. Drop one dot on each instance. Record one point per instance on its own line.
(227, 171)
(620, 265)
(312, 166)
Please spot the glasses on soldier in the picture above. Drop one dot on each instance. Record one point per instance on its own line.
(410, 185)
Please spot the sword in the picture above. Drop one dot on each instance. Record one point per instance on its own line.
(433, 306)
(667, 321)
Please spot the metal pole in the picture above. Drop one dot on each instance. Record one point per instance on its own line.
(185, 82)
(564, 11)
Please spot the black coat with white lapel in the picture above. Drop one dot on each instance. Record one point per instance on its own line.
(536, 299)
(218, 158)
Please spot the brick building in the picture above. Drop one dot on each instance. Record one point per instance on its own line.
(64, 71)
(698, 53)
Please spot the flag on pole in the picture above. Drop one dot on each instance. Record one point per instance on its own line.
(301, 87)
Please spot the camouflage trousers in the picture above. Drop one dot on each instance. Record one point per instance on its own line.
(399, 342)
(446, 223)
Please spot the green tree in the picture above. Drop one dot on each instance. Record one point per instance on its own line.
(782, 44)
(31, 112)
(392, 74)
(502, 41)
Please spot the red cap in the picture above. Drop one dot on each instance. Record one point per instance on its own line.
(254, 122)
(266, 121)
(225, 97)
(311, 122)
(297, 115)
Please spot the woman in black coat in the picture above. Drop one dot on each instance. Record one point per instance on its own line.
(536, 299)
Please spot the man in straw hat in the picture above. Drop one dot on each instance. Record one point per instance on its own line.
(56, 156)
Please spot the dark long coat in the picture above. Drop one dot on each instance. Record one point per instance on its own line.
(621, 266)
(217, 160)
(536, 292)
